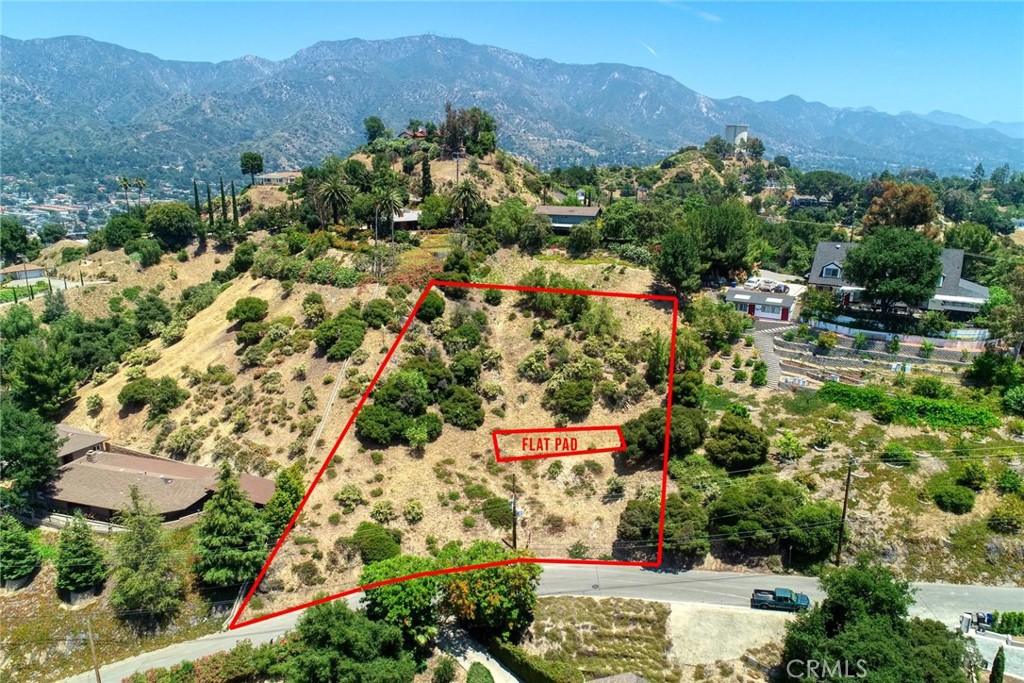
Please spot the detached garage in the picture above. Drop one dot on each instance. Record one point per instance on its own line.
(762, 305)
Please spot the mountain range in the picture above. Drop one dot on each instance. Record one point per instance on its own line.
(73, 106)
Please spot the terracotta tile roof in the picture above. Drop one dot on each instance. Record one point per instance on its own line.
(103, 480)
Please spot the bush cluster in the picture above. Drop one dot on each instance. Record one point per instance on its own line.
(910, 410)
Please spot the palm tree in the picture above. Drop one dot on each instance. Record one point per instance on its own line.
(387, 201)
(140, 184)
(334, 193)
(125, 182)
(465, 197)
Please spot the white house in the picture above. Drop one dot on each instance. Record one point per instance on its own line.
(24, 271)
(763, 305)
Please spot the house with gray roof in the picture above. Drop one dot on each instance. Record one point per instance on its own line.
(762, 305)
(955, 295)
(564, 218)
(74, 443)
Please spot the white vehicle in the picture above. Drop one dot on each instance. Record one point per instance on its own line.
(752, 283)
(767, 285)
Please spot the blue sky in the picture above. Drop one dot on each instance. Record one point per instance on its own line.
(966, 58)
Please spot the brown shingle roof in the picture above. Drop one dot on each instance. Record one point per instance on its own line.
(77, 439)
(103, 480)
(587, 211)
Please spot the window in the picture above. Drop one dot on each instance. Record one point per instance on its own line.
(773, 310)
(831, 270)
(740, 307)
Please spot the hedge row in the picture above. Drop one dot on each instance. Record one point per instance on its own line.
(531, 669)
(909, 409)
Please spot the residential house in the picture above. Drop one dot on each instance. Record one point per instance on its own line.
(1018, 223)
(418, 134)
(955, 295)
(761, 305)
(75, 443)
(279, 178)
(23, 271)
(97, 480)
(564, 218)
(407, 219)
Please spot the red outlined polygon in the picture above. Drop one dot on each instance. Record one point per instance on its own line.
(557, 430)
(236, 621)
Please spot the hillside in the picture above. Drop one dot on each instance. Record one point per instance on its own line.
(113, 108)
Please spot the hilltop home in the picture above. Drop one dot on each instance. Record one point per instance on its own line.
(278, 178)
(563, 218)
(96, 478)
(955, 296)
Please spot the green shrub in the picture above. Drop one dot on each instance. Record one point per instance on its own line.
(827, 340)
(926, 350)
(759, 376)
(477, 492)
(431, 308)
(910, 410)
(412, 511)
(469, 521)
(249, 309)
(444, 672)
(739, 376)
(462, 408)
(492, 297)
(532, 669)
(931, 387)
(498, 512)
(1013, 400)
(349, 497)
(572, 398)
(375, 543)
(478, 673)
(378, 313)
(898, 454)
(1009, 481)
(973, 475)
(952, 498)
(1008, 517)
(893, 345)
(383, 512)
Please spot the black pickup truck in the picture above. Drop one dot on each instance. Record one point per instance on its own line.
(779, 599)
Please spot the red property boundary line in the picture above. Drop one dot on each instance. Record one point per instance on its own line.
(557, 430)
(235, 621)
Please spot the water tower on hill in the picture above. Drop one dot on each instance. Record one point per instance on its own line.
(736, 133)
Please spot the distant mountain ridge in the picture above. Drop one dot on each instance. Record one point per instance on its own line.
(76, 106)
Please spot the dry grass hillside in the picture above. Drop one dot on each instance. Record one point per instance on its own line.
(455, 481)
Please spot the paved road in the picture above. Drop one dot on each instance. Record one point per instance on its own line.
(944, 602)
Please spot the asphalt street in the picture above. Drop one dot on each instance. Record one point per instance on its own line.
(944, 602)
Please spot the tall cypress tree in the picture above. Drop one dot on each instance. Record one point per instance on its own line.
(223, 202)
(427, 183)
(195, 194)
(79, 559)
(234, 204)
(144, 577)
(209, 203)
(20, 557)
(231, 537)
(998, 667)
(288, 493)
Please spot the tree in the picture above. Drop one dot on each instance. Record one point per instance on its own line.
(42, 374)
(534, 233)
(408, 605)
(465, 198)
(686, 521)
(583, 238)
(375, 128)
(249, 309)
(230, 536)
(209, 205)
(998, 667)
(755, 148)
(757, 512)
(173, 223)
(80, 563)
(20, 557)
(122, 229)
(737, 444)
(223, 202)
(145, 580)
(490, 602)
(973, 238)
(51, 233)
(124, 182)
(426, 182)
(13, 240)
(1006, 319)
(252, 163)
(724, 233)
(336, 195)
(895, 265)
(905, 206)
(195, 198)
(715, 321)
(288, 492)
(679, 261)
(340, 645)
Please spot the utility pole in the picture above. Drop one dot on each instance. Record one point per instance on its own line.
(515, 514)
(846, 500)
(92, 649)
